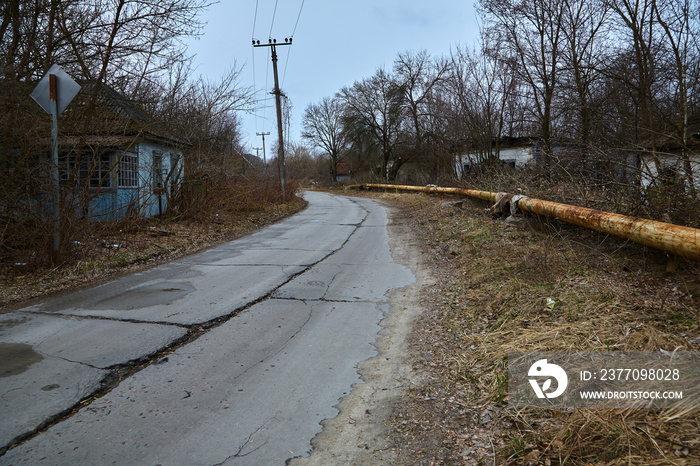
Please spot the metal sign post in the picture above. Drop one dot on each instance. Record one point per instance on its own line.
(55, 188)
(53, 93)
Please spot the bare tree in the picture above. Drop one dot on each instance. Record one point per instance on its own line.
(377, 104)
(682, 39)
(583, 55)
(637, 21)
(323, 127)
(303, 163)
(419, 77)
(205, 115)
(28, 37)
(128, 41)
(363, 154)
(533, 32)
(483, 83)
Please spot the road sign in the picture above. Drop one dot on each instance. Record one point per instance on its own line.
(66, 90)
(53, 93)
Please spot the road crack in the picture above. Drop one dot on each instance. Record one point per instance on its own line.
(248, 441)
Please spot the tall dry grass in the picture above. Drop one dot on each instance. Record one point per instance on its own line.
(205, 211)
(492, 300)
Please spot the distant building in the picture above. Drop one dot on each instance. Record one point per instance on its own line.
(342, 172)
(411, 173)
(514, 152)
(671, 157)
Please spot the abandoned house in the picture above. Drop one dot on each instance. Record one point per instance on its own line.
(515, 152)
(126, 163)
(673, 157)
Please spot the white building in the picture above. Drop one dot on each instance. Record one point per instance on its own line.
(514, 152)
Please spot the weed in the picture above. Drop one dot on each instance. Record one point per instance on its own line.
(119, 260)
(501, 387)
(517, 446)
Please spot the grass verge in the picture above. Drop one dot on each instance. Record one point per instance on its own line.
(493, 282)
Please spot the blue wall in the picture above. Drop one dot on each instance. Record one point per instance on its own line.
(114, 205)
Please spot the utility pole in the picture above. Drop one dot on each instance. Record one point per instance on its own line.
(257, 151)
(263, 147)
(281, 169)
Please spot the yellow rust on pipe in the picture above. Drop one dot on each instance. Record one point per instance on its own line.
(675, 239)
(679, 240)
(473, 193)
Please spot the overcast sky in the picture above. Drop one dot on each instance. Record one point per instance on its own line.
(335, 44)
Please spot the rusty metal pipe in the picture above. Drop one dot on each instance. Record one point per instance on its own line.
(675, 239)
(473, 193)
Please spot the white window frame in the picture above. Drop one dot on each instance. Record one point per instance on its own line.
(128, 171)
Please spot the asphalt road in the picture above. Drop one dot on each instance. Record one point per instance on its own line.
(290, 310)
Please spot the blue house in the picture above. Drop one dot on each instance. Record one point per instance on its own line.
(126, 164)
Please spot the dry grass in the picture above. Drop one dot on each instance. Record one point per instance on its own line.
(493, 282)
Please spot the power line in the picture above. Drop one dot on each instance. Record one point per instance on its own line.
(289, 51)
(298, 16)
(267, 80)
(254, 90)
(255, 17)
(274, 13)
(255, 21)
(286, 63)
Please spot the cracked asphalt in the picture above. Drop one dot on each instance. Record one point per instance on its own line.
(241, 350)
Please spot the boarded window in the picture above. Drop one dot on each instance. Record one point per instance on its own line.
(174, 169)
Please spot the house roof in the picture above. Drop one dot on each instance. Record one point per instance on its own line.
(342, 169)
(668, 139)
(115, 120)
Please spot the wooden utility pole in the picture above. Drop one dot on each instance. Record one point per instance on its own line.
(281, 169)
(263, 147)
(257, 151)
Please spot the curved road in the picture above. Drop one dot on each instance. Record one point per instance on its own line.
(290, 311)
